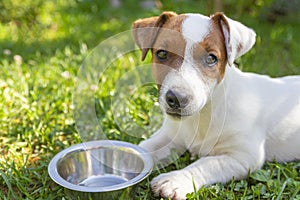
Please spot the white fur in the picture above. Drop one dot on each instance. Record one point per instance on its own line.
(238, 35)
(235, 125)
(200, 27)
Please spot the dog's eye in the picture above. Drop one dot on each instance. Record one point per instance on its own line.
(162, 55)
(211, 60)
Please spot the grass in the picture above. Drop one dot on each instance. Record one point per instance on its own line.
(42, 46)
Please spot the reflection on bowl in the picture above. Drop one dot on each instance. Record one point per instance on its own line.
(100, 169)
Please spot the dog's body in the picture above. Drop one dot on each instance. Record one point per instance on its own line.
(232, 120)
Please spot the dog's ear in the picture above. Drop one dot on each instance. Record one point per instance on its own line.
(238, 38)
(145, 31)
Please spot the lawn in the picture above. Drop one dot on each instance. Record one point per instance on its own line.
(44, 43)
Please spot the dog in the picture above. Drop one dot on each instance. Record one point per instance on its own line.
(233, 121)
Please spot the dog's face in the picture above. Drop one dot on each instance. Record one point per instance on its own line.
(190, 53)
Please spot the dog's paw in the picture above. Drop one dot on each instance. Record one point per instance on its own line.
(173, 185)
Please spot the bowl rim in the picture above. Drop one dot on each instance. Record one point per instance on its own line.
(144, 155)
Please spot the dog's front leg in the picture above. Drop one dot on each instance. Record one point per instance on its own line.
(207, 170)
(160, 145)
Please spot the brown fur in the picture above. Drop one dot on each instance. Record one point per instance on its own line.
(215, 43)
(146, 30)
(171, 40)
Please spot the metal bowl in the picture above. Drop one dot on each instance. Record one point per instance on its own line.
(100, 169)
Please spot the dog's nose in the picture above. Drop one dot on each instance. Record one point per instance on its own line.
(176, 100)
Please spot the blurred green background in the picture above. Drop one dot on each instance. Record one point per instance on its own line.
(44, 42)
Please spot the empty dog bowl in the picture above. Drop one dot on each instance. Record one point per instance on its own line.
(100, 169)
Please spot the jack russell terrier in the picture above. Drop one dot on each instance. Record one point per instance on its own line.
(232, 120)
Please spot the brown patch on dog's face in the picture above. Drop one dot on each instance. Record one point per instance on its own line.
(146, 30)
(161, 33)
(171, 45)
(212, 45)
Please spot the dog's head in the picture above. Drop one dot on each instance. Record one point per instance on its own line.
(190, 53)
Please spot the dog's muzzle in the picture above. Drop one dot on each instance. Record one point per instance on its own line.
(176, 103)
